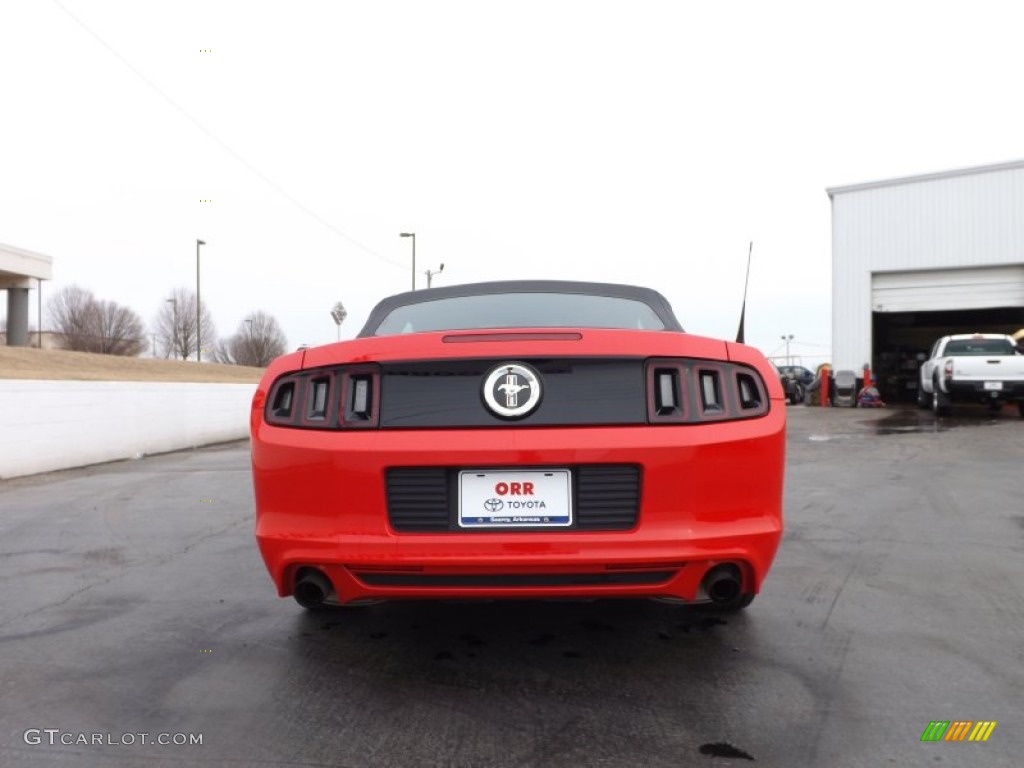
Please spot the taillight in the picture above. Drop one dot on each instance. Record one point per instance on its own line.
(360, 391)
(948, 368)
(326, 398)
(666, 391)
(681, 390)
(750, 392)
(318, 391)
(711, 394)
(281, 402)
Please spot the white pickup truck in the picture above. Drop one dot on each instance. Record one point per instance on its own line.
(972, 367)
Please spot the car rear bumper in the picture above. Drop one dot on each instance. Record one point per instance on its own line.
(976, 391)
(437, 569)
(710, 494)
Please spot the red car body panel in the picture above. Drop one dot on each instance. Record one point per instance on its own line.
(710, 492)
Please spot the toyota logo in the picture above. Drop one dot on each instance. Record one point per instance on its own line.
(512, 390)
(494, 505)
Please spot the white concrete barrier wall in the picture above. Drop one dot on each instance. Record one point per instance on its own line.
(48, 425)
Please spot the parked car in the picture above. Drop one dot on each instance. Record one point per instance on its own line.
(804, 375)
(525, 439)
(793, 387)
(977, 367)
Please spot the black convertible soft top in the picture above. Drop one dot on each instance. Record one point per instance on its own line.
(651, 298)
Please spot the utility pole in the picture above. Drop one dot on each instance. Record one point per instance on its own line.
(430, 274)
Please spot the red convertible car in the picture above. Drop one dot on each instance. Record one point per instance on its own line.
(522, 439)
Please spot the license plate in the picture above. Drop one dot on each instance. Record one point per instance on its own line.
(993, 385)
(515, 498)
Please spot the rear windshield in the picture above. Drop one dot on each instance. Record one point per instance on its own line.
(967, 347)
(520, 310)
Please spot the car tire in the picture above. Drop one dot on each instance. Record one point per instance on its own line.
(924, 400)
(1020, 407)
(798, 395)
(940, 400)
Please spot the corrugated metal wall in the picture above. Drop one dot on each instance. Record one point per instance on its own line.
(970, 218)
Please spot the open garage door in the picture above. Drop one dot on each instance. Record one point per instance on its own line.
(912, 309)
(943, 289)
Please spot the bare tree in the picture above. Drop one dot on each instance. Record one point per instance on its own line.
(119, 328)
(258, 340)
(175, 325)
(87, 324)
(72, 317)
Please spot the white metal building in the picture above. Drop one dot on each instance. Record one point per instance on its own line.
(916, 258)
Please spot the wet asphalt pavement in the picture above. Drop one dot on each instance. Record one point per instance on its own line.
(134, 601)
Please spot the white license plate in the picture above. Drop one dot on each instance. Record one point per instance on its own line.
(993, 385)
(515, 498)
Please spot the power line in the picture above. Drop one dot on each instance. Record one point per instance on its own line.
(808, 344)
(217, 140)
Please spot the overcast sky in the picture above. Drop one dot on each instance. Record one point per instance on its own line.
(637, 142)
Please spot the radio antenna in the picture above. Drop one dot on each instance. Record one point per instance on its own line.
(743, 310)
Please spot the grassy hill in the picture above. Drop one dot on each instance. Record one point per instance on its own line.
(29, 363)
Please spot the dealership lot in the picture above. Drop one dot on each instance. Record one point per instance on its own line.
(135, 602)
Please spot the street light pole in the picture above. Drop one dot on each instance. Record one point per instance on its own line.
(430, 274)
(413, 236)
(788, 339)
(199, 321)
